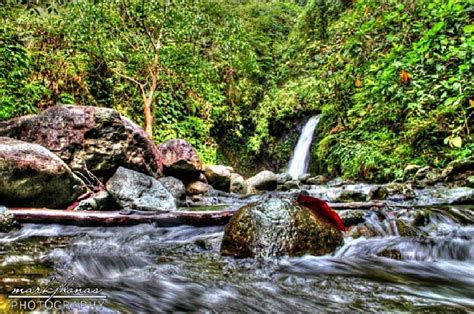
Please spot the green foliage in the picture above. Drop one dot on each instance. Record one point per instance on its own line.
(18, 95)
(392, 78)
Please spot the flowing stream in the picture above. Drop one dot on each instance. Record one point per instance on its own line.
(299, 161)
(149, 269)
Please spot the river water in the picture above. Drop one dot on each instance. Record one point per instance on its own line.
(149, 269)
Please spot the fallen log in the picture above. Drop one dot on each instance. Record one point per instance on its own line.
(357, 205)
(114, 218)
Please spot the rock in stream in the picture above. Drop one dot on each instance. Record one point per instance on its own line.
(277, 227)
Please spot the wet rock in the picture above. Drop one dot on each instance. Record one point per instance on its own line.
(135, 190)
(337, 182)
(32, 176)
(421, 217)
(350, 193)
(99, 201)
(377, 193)
(237, 183)
(362, 230)
(180, 160)
(459, 170)
(410, 171)
(470, 182)
(305, 176)
(263, 181)
(454, 196)
(283, 177)
(391, 253)
(98, 139)
(400, 191)
(318, 180)
(427, 178)
(293, 184)
(405, 229)
(174, 186)
(197, 187)
(219, 177)
(422, 172)
(7, 221)
(277, 227)
(352, 217)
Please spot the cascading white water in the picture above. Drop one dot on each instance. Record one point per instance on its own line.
(299, 161)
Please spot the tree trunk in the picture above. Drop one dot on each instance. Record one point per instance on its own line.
(148, 116)
(114, 218)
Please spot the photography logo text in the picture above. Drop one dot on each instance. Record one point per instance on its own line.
(57, 295)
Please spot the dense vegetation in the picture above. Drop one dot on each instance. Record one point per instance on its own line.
(392, 78)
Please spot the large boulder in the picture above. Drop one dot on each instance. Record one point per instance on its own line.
(32, 176)
(180, 160)
(219, 177)
(277, 227)
(135, 190)
(92, 138)
(174, 186)
(263, 181)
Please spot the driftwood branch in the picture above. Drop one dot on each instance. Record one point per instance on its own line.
(114, 218)
(357, 205)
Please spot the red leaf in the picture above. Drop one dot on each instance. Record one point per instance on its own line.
(321, 209)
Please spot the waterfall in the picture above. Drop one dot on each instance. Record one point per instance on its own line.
(299, 161)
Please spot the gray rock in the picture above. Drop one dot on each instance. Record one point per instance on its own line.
(197, 187)
(277, 227)
(410, 170)
(263, 181)
(283, 177)
(458, 166)
(337, 182)
(422, 172)
(174, 186)
(219, 177)
(293, 184)
(32, 176)
(99, 201)
(135, 190)
(305, 176)
(237, 183)
(400, 191)
(317, 180)
(377, 193)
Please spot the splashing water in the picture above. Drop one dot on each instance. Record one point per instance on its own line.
(299, 161)
(145, 268)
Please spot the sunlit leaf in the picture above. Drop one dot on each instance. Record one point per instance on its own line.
(456, 141)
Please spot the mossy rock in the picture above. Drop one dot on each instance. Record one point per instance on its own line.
(277, 227)
(32, 176)
(391, 253)
(7, 221)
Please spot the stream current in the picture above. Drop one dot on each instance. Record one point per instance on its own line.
(150, 269)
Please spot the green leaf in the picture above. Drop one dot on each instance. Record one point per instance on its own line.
(456, 141)
(469, 28)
